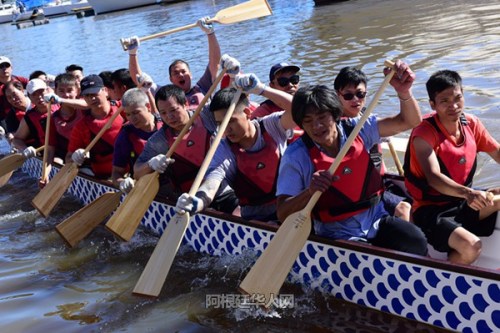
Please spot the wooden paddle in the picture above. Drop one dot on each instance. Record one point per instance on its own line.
(242, 12)
(395, 157)
(5, 178)
(48, 197)
(11, 162)
(45, 176)
(128, 216)
(271, 269)
(153, 277)
(80, 224)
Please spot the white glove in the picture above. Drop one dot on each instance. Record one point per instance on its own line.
(144, 82)
(188, 203)
(230, 64)
(132, 44)
(249, 83)
(52, 98)
(2, 132)
(160, 163)
(29, 152)
(127, 185)
(206, 26)
(79, 157)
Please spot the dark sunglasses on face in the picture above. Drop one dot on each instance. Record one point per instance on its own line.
(4, 65)
(358, 94)
(284, 81)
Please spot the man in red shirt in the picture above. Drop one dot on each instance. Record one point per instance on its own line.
(5, 77)
(94, 119)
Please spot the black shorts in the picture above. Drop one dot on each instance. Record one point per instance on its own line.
(438, 222)
(225, 203)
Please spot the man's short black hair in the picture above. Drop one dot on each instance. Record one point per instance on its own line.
(74, 67)
(315, 99)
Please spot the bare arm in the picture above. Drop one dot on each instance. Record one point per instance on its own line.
(141, 169)
(117, 175)
(133, 67)
(495, 155)
(77, 103)
(214, 55)
(409, 115)
(283, 100)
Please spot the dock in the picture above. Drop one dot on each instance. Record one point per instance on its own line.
(31, 23)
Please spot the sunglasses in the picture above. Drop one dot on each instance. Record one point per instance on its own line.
(284, 81)
(4, 65)
(358, 94)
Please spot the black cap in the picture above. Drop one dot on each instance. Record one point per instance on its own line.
(281, 66)
(91, 84)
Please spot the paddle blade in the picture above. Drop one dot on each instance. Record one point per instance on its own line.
(155, 273)
(5, 178)
(80, 224)
(128, 216)
(271, 269)
(11, 163)
(48, 197)
(242, 12)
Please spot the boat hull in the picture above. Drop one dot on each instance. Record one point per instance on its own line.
(101, 7)
(64, 8)
(461, 298)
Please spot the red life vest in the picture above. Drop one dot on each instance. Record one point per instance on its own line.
(194, 97)
(357, 184)
(257, 172)
(63, 128)
(457, 161)
(101, 155)
(37, 122)
(189, 154)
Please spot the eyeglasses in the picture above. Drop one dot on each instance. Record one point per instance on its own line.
(4, 65)
(358, 94)
(284, 81)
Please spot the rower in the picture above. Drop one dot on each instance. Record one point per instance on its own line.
(439, 168)
(179, 71)
(5, 77)
(351, 87)
(94, 119)
(349, 207)
(249, 156)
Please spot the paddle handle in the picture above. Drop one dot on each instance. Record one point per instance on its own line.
(347, 145)
(159, 34)
(46, 152)
(39, 149)
(196, 113)
(395, 157)
(214, 145)
(103, 129)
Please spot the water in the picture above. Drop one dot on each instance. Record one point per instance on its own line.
(45, 286)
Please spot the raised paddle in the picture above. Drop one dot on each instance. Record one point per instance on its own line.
(11, 162)
(271, 269)
(128, 216)
(152, 278)
(80, 224)
(48, 197)
(238, 13)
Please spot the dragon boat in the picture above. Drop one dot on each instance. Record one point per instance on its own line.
(426, 289)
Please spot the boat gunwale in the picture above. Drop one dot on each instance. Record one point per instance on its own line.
(476, 271)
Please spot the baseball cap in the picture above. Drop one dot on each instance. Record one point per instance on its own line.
(91, 84)
(281, 66)
(35, 84)
(5, 59)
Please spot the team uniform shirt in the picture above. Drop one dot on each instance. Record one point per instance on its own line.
(482, 140)
(60, 132)
(4, 104)
(101, 155)
(37, 123)
(224, 165)
(295, 174)
(265, 109)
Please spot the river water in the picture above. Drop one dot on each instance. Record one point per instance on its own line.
(45, 286)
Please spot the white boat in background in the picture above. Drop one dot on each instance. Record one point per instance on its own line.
(6, 12)
(61, 7)
(107, 6)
